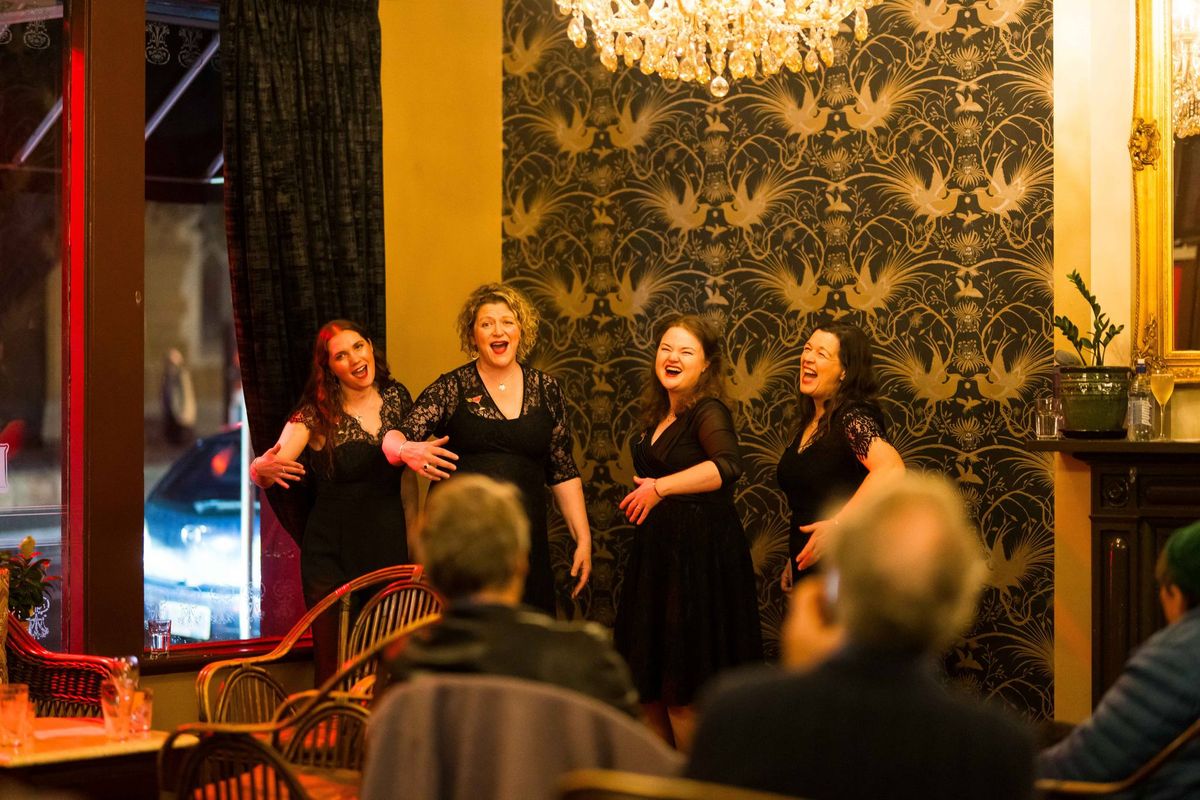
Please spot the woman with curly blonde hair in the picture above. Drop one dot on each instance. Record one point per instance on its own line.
(498, 417)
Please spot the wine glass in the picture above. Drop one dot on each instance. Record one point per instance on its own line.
(1162, 384)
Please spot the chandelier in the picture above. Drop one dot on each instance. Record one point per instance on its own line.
(1185, 68)
(695, 40)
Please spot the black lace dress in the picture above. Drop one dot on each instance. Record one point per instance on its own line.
(531, 451)
(689, 602)
(356, 524)
(827, 471)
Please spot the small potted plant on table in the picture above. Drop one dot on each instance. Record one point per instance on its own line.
(1094, 398)
(28, 581)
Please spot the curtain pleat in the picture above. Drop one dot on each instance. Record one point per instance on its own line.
(303, 191)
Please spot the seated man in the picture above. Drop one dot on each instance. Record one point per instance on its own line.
(1156, 697)
(474, 544)
(872, 720)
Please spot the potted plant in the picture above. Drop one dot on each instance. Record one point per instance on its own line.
(1094, 398)
(28, 580)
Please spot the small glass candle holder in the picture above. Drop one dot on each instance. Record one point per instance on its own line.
(1045, 417)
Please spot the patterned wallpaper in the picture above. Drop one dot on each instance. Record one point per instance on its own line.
(907, 189)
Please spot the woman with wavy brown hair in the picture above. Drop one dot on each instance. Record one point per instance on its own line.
(840, 449)
(358, 522)
(689, 604)
(500, 417)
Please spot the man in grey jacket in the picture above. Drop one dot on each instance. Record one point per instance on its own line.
(474, 543)
(1156, 697)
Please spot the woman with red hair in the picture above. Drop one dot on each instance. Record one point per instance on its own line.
(358, 521)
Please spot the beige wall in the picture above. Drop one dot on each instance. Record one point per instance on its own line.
(1093, 69)
(1093, 191)
(442, 172)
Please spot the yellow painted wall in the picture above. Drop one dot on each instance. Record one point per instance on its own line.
(1093, 193)
(441, 170)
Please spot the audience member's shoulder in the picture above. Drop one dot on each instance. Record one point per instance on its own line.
(990, 718)
(738, 688)
(536, 621)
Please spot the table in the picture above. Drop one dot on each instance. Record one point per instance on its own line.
(73, 753)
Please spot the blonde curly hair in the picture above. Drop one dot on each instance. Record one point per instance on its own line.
(526, 313)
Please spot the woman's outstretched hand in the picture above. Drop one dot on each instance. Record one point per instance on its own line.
(271, 470)
(817, 542)
(637, 504)
(430, 459)
(581, 567)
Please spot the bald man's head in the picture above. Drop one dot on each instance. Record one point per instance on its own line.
(910, 567)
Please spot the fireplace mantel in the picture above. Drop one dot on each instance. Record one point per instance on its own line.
(1140, 493)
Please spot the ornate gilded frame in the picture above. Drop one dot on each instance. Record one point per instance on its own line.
(1152, 158)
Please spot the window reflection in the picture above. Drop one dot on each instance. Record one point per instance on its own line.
(31, 287)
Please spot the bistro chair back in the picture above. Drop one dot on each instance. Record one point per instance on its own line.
(216, 698)
(250, 694)
(396, 606)
(314, 749)
(229, 765)
(607, 784)
(1051, 789)
(60, 684)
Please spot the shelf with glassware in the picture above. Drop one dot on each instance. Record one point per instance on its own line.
(1141, 492)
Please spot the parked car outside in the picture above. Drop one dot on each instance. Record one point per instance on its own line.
(194, 570)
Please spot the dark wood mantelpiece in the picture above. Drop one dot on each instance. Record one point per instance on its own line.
(1141, 492)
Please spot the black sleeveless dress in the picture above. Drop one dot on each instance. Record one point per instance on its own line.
(531, 451)
(356, 524)
(827, 471)
(689, 600)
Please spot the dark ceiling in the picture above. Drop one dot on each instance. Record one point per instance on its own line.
(182, 152)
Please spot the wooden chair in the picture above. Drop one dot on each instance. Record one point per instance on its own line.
(1056, 788)
(317, 751)
(243, 690)
(60, 684)
(396, 606)
(603, 784)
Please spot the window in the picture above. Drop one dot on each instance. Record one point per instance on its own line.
(31, 289)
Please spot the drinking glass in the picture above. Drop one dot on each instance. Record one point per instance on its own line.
(1162, 385)
(15, 722)
(116, 704)
(141, 713)
(159, 633)
(127, 670)
(1045, 419)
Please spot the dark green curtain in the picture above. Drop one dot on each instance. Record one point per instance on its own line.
(303, 192)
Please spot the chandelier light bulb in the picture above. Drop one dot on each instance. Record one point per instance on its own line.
(697, 40)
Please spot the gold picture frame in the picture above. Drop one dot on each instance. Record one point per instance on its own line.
(1151, 151)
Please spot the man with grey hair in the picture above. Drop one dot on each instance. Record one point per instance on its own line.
(474, 545)
(871, 719)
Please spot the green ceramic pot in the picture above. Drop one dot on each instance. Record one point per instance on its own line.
(1094, 401)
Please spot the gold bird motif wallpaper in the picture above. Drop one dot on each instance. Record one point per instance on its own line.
(907, 189)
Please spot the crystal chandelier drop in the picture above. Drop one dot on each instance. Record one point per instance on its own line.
(1185, 68)
(695, 40)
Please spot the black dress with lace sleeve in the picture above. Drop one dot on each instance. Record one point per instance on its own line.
(689, 602)
(824, 474)
(357, 522)
(532, 450)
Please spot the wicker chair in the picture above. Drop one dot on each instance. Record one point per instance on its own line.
(1060, 789)
(321, 744)
(60, 684)
(243, 690)
(603, 784)
(396, 606)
